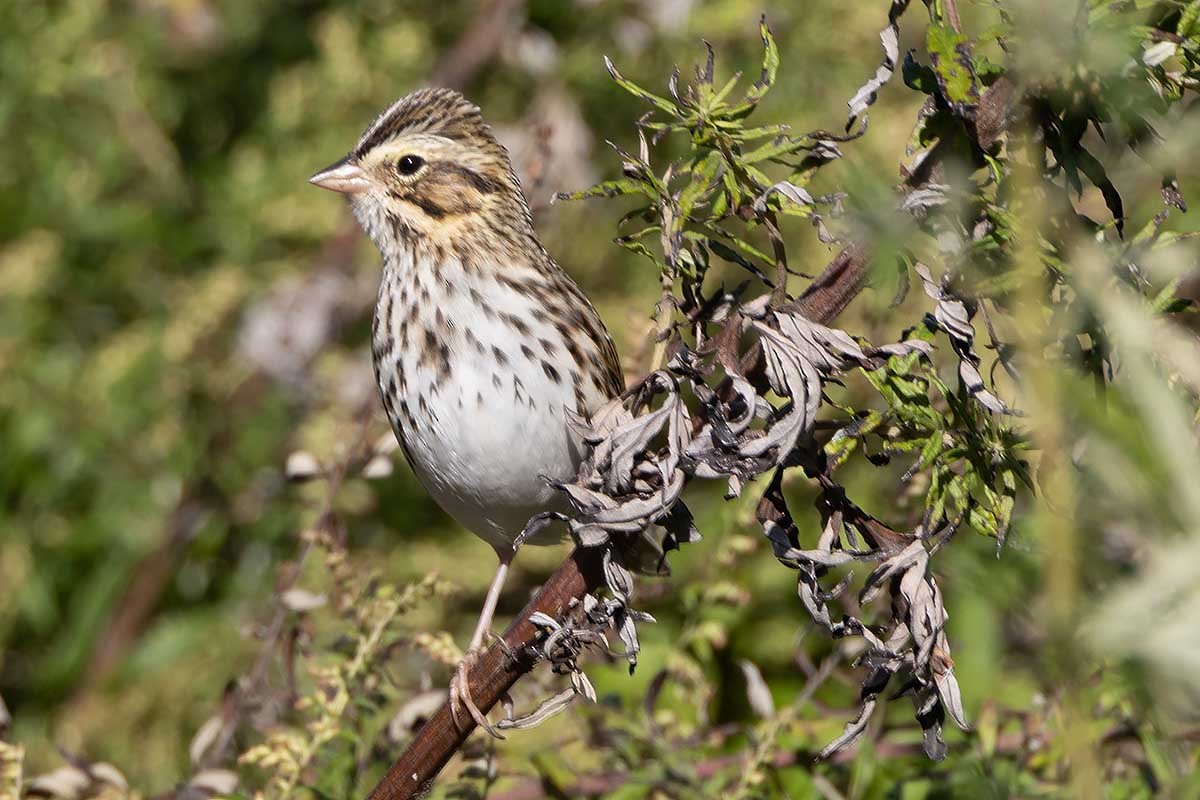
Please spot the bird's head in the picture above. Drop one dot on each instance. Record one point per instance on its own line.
(428, 167)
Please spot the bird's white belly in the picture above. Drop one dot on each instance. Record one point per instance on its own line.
(481, 414)
(486, 463)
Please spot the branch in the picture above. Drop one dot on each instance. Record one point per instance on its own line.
(490, 680)
(826, 297)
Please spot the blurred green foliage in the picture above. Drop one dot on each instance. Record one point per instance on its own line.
(180, 311)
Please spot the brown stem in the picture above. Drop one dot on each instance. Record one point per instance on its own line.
(492, 677)
(950, 8)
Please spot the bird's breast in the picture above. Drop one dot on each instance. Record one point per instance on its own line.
(478, 386)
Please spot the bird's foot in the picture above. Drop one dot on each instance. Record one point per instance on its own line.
(460, 693)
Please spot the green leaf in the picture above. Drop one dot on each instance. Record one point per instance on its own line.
(766, 79)
(781, 146)
(613, 188)
(1189, 20)
(704, 178)
(983, 521)
(722, 250)
(951, 55)
(745, 134)
(1157, 757)
(739, 243)
(661, 103)
(720, 95)
(918, 76)
(1165, 299)
(635, 246)
(986, 69)
(770, 63)
(930, 452)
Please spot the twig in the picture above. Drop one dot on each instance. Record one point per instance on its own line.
(950, 10)
(491, 678)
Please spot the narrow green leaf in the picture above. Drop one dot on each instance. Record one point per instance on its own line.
(634, 246)
(703, 181)
(781, 146)
(1166, 298)
(766, 79)
(661, 103)
(739, 243)
(724, 91)
(726, 252)
(1189, 21)
(613, 188)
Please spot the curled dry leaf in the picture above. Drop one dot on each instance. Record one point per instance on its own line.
(68, 782)
(952, 316)
(301, 466)
(647, 445)
(745, 380)
(106, 773)
(548, 708)
(214, 782)
(418, 708)
(379, 466)
(302, 600)
(757, 691)
(206, 736)
(889, 37)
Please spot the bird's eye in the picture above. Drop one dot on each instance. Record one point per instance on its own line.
(407, 165)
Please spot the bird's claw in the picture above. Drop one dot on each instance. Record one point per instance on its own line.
(460, 693)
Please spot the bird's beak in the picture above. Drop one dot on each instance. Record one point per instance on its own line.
(343, 176)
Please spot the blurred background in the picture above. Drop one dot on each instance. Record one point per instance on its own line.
(180, 311)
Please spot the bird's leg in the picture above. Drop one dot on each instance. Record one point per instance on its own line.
(460, 684)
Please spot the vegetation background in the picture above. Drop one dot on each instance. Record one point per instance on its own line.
(180, 312)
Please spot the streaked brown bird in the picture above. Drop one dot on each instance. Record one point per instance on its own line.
(482, 344)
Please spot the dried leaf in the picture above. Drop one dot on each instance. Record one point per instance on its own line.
(206, 736)
(548, 708)
(757, 691)
(952, 316)
(67, 782)
(889, 37)
(214, 782)
(301, 466)
(104, 772)
(415, 710)
(380, 466)
(301, 600)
